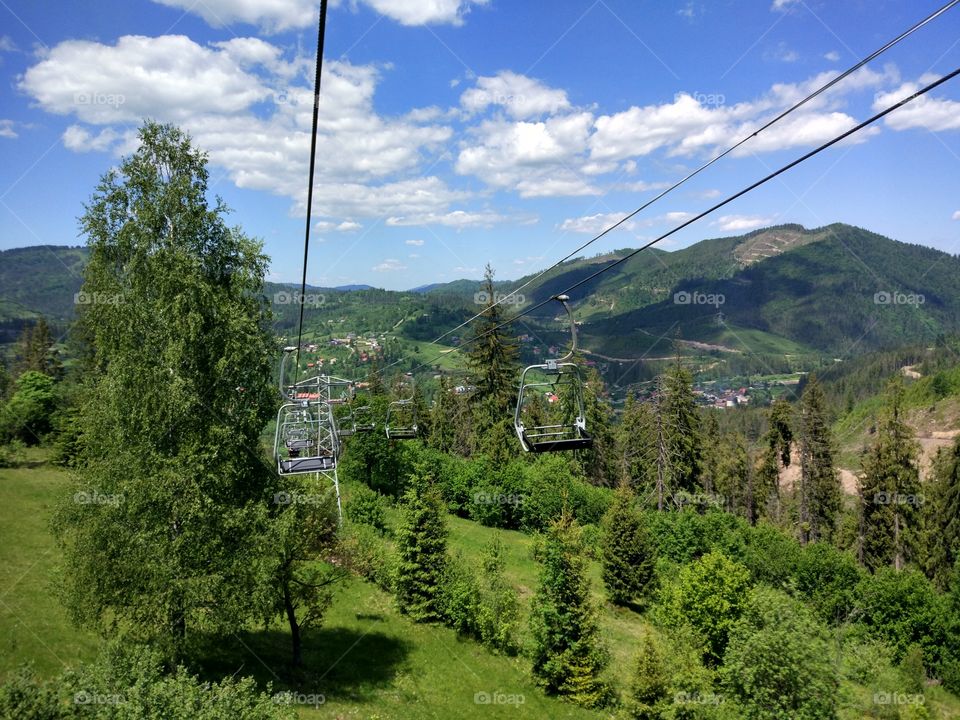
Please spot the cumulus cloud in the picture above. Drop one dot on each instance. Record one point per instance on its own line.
(832, 56)
(520, 96)
(454, 219)
(956, 215)
(389, 265)
(250, 107)
(741, 223)
(594, 224)
(930, 113)
(274, 16)
(6, 129)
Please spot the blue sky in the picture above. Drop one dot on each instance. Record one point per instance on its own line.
(459, 132)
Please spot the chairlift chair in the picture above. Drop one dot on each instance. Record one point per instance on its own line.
(306, 440)
(564, 378)
(401, 421)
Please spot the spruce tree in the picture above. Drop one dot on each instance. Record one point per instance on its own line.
(774, 455)
(820, 492)
(636, 445)
(941, 513)
(567, 655)
(598, 462)
(681, 427)
(421, 541)
(649, 691)
(35, 351)
(890, 490)
(492, 360)
(627, 551)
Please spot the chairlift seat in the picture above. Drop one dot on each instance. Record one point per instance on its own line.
(307, 465)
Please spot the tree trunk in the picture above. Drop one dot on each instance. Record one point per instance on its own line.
(295, 639)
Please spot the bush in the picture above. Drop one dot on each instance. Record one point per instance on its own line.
(828, 579)
(368, 507)
(708, 595)
(778, 661)
(368, 555)
(459, 597)
(28, 414)
(129, 682)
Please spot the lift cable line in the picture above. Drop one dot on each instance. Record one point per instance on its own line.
(822, 89)
(869, 121)
(313, 161)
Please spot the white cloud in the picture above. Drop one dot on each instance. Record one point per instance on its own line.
(250, 107)
(785, 5)
(455, 219)
(520, 96)
(7, 44)
(274, 16)
(538, 159)
(425, 12)
(594, 224)
(956, 215)
(832, 56)
(79, 139)
(389, 265)
(926, 112)
(6, 129)
(415, 243)
(741, 223)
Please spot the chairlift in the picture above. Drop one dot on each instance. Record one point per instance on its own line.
(306, 439)
(401, 422)
(564, 379)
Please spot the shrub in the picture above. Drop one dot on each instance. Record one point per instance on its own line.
(368, 555)
(367, 507)
(778, 661)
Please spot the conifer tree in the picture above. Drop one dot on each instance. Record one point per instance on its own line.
(492, 358)
(567, 655)
(681, 426)
(35, 351)
(649, 691)
(598, 462)
(942, 516)
(627, 551)
(820, 492)
(890, 490)
(636, 444)
(421, 550)
(774, 455)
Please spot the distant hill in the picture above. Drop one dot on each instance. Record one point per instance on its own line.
(785, 291)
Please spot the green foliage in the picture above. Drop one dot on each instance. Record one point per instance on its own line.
(913, 670)
(649, 691)
(166, 528)
(366, 553)
(28, 415)
(820, 491)
(421, 545)
(35, 351)
(367, 507)
(681, 429)
(941, 516)
(902, 609)
(778, 661)
(373, 460)
(890, 490)
(827, 578)
(567, 653)
(129, 683)
(627, 551)
(707, 595)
